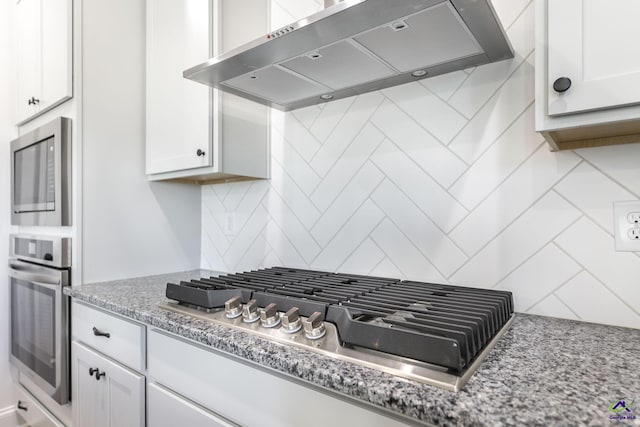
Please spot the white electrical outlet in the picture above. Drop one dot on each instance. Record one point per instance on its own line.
(626, 218)
(634, 217)
(634, 232)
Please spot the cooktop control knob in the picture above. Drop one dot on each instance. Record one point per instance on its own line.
(233, 308)
(250, 312)
(291, 321)
(269, 317)
(314, 326)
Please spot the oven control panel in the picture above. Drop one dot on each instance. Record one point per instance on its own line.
(53, 251)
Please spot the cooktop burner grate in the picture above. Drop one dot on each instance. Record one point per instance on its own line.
(438, 324)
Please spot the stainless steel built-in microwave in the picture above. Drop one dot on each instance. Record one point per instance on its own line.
(41, 175)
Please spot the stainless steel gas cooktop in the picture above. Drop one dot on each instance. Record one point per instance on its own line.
(432, 333)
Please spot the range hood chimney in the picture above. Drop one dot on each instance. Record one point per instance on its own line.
(358, 46)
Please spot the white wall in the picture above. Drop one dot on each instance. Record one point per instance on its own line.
(6, 135)
(130, 227)
(441, 180)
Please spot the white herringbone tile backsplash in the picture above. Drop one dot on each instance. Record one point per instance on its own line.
(441, 180)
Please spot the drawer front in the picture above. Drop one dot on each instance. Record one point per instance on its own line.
(113, 336)
(166, 409)
(246, 395)
(33, 413)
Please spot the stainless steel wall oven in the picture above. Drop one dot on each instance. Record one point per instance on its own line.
(41, 175)
(39, 269)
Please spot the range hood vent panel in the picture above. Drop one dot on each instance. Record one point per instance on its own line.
(433, 36)
(362, 47)
(277, 85)
(340, 65)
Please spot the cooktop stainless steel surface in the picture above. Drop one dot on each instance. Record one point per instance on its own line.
(431, 333)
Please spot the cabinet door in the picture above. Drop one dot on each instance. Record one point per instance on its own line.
(44, 43)
(248, 395)
(167, 409)
(56, 67)
(116, 399)
(28, 57)
(594, 44)
(178, 110)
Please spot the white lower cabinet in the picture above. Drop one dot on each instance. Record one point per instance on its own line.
(167, 409)
(245, 394)
(104, 392)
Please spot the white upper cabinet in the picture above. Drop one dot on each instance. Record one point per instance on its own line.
(178, 122)
(44, 56)
(587, 72)
(193, 132)
(594, 44)
(28, 48)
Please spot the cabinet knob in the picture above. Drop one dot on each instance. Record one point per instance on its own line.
(33, 101)
(562, 84)
(97, 373)
(98, 333)
(200, 153)
(21, 406)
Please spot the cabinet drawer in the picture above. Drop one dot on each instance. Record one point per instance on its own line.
(247, 395)
(125, 340)
(166, 409)
(33, 413)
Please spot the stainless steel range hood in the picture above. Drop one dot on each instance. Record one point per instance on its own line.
(357, 46)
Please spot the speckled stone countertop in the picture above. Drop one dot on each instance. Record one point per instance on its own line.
(543, 372)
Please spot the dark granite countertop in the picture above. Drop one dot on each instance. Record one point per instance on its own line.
(543, 372)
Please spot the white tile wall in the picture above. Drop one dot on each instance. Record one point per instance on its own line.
(443, 180)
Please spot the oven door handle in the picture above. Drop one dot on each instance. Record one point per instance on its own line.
(33, 275)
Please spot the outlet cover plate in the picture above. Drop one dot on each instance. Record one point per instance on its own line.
(622, 225)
